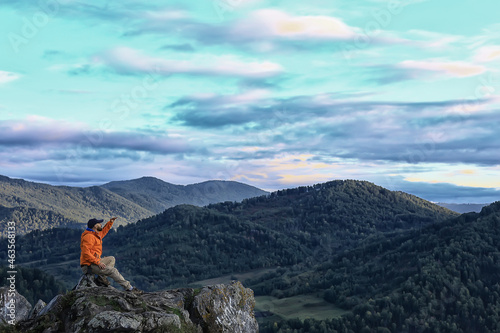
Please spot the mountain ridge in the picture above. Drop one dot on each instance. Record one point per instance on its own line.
(158, 195)
(288, 234)
(463, 208)
(284, 228)
(51, 206)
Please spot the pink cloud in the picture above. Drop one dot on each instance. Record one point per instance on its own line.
(448, 68)
(276, 23)
(35, 131)
(487, 53)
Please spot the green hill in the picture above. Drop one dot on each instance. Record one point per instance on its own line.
(26, 218)
(442, 278)
(336, 215)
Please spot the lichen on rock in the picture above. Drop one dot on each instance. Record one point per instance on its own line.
(226, 308)
(218, 308)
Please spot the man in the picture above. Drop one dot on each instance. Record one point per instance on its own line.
(90, 258)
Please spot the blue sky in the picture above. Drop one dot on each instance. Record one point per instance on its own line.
(275, 94)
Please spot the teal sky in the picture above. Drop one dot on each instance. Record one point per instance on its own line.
(275, 94)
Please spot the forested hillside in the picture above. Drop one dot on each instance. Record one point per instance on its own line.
(157, 195)
(34, 284)
(336, 215)
(386, 261)
(26, 218)
(185, 243)
(442, 278)
(67, 204)
(41, 206)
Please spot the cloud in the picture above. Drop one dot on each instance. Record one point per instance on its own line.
(75, 69)
(261, 30)
(35, 132)
(272, 23)
(213, 111)
(250, 96)
(447, 68)
(185, 47)
(326, 125)
(487, 53)
(6, 77)
(422, 69)
(434, 40)
(446, 192)
(388, 74)
(125, 60)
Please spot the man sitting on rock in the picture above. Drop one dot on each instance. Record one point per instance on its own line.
(90, 258)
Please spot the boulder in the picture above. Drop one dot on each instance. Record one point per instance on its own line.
(14, 307)
(37, 308)
(225, 308)
(219, 308)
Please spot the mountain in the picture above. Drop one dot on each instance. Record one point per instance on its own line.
(186, 243)
(25, 218)
(157, 195)
(66, 204)
(40, 206)
(463, 208)
(442, 278)
(380, 261)
(345, 243)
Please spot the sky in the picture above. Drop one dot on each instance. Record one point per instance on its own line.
(275, 94)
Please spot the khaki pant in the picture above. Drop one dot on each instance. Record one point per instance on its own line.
(110, 271)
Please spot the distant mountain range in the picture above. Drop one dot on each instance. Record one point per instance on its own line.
(40, 206)
(463, 208)
(156, 195)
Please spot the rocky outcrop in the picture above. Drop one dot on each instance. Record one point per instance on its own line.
(13, 306)
(217, 308)
(39, 306)
(220, 308)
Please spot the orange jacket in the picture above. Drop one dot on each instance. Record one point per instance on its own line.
(91, 245)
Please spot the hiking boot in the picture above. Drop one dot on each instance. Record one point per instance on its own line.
(136, 291)
(102, 281)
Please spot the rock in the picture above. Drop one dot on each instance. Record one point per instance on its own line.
(225, 308)
(13, 306)
(114, 320)
(55, 305)
(86, 281)
(219, 308)
(159, 319)
(37, 308)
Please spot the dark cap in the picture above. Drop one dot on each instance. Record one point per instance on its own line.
(92, 222)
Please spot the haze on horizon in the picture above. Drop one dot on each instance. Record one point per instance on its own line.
(404, 94)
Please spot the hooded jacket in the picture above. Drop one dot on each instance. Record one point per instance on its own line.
(91, 245)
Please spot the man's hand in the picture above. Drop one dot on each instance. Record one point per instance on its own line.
(101, 265)
(113, 219)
